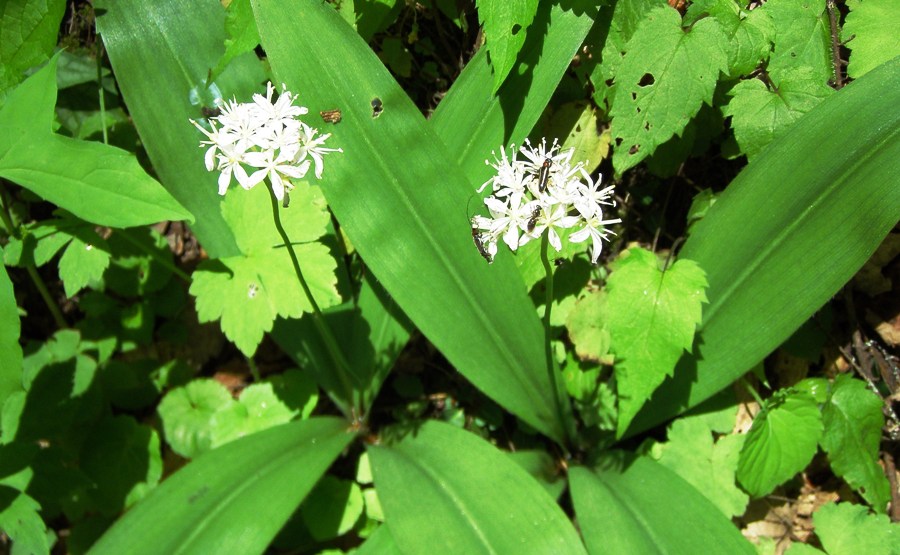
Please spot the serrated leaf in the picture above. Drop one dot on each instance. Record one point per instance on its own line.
(186, 413)
(707, 465)
(873, 26)
(28, 33)
(261, 479)
(449, 471)
(848, 529)
(332, 508)
(619, 510)
(651, 316)
(853, 421)
(666, 75)
(802, 40)
(760, 115)
(505, 27)
(20, 519)
(587, 326)
(10, 350)
(82, 263)
(781, 442)
(96, 182)
(749, 33)
(243, 37)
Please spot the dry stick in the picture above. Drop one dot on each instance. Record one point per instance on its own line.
(835, 44)
(891, 471)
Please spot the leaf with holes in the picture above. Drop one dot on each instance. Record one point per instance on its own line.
(505, 25)
(666, 75)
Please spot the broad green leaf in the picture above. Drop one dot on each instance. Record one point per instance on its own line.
(802, 39)
(666, 75)
(651, 317)
(505, 27)
(873, 26)
(541, 466)
(749, 33)
(20, 519)
(760, 115)
(83, 263)
(243, 36)
(472, 121)
(186, 413)
(475, 499)
(706, 464)
(848, 529)
(96, 182)
(28, 32)
(620, 510)
(587, 328)
(260, 479)
(124, 462)
(783, 439)
(260, 285)
(10, 350)
(332, 508)
(161, 70)
(405, 226)
(379, 543)
(774, 228)
(852, 437)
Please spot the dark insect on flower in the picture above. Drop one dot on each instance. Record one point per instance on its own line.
(377, 107)
(544, 175)
(210, 112)
(287, 200)
(532, 221)
(331, 116)
(479, 244)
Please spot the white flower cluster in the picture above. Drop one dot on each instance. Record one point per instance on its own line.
(266, 135)
(542, 193)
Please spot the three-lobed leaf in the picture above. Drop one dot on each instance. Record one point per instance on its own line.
(651, 316)
(853, 421)
(783, 439)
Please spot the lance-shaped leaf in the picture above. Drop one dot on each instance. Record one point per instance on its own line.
(651, 317)
(401, 199)
(790, 231)
(505, 26)
(261, 479)
(478, 500)
(629, 504)
(99, 183)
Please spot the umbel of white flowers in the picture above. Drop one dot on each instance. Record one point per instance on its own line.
(544, 193)
(251, 141)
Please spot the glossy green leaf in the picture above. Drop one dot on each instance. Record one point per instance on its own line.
(848, 529)
(651, 315)
(379, 543)
(28, 33)
(162, 53)
(472, 122)
(505, 27)
(629, 504)
(873, 26)
(406, 225)
(853, 421)
(446, 490)
(10, 350)
(788, 233)
(96, 182)
(783, 439)
(332, 508)
(261, 479)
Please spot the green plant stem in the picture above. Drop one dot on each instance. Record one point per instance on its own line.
(30, 268)
(340, 363)
(254, 371)
(548, 348)
(754, 394)
(102, 99)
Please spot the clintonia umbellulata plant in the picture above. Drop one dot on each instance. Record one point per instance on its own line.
(394, 201)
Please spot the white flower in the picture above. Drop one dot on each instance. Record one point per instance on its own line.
(542, 193)
(266, 135)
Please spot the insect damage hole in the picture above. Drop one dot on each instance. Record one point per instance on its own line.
(646, 80)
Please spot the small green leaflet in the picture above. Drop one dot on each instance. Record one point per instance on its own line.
(666, 75)
(652, 316)
(783, 439)
(802, 39)
(247, 292)
(750, 33)
(505, 25)
(873, 25)
(853, 422)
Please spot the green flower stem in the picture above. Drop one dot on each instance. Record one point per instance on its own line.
(30, 268)
(548, 348)
(340, 363)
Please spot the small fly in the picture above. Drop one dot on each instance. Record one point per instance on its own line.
(544, 175)
(532, 221)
